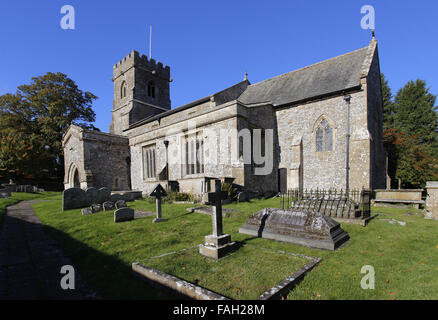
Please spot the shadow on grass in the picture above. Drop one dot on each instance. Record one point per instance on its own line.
(111, 277)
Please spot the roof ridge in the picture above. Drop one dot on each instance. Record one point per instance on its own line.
(309, 66)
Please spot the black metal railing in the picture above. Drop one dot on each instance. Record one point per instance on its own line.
(349, 204)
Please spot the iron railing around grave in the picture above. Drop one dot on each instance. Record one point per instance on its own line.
(347, 204)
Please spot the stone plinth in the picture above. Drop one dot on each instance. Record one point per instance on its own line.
(307, 228)
(216, 247)
(431, 211)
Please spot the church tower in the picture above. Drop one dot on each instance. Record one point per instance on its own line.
(141, 90)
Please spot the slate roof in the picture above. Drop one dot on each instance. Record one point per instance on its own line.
(329, 76)
(228, 94)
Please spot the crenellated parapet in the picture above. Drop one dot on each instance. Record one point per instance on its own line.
(133, 59)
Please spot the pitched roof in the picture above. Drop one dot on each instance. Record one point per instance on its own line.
(223, 96)
(329, 76)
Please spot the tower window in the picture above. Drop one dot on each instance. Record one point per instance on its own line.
(151, 89)
(123, 90)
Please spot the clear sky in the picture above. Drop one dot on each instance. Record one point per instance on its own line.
(209, 44)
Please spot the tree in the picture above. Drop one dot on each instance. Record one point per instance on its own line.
(410, 162)
(388, 104)
(415, 114)
(33, 121)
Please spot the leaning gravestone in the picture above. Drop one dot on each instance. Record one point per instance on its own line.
(120, 204)
(116, 197)
(304, 227)
(123, 214)
(96, 207)
(74, 198)
(108, 206)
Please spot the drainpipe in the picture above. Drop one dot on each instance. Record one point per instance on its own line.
(347, 99)
(166, 144)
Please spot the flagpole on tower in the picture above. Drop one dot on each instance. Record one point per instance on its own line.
(150, 41)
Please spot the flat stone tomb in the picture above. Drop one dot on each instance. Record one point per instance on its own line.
(217, 245)
(306, 228)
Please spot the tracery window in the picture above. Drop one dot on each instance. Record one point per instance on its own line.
(324, 137)
(149, 162)
(193, 154)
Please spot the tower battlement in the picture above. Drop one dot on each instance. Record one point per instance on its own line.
(141, 90)
(142, 62)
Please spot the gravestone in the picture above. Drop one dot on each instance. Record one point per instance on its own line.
(158, 192)
(304, 227)
(217, 245)
(116, 197)
(123, 214)
(92, 195)
(86, 211)
(120, 204)
(74, 198)
(104, 194)
(5, 193)
(108, 206)
(96, 207)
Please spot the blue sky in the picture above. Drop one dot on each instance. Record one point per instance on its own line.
(209, 44)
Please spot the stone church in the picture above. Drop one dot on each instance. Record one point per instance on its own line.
(325, 125)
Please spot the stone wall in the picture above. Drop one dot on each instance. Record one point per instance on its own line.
(431, 211)
(101, 159)
(74, 158)
(172, 129)
(375, 124)
(325, 170)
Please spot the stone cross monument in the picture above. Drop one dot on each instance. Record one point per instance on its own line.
(217, 245)
(158, 192)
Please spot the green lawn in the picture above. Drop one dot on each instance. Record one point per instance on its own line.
(405, 259)
(20, 196)
(243, 275)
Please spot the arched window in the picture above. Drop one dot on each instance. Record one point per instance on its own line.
(324, 136)
(151, 89)
(123, 90)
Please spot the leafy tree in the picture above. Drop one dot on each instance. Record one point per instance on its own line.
(410, 162)
(33, 121)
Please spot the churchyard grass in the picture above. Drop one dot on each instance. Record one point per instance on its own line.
(243, 275)
(404, 257)
(16, 197)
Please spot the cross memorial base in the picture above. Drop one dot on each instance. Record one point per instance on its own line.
(216, 247)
